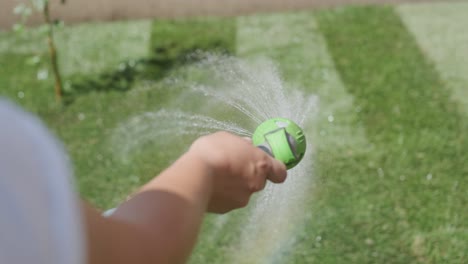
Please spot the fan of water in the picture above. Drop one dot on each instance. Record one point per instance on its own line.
(254, 92)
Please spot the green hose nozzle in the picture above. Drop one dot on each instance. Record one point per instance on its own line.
(281, 138)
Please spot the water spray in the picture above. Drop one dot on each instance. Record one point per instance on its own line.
(282, 139)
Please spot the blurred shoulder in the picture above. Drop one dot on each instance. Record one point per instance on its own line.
(37, 198)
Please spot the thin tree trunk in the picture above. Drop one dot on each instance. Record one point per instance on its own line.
(53, 54)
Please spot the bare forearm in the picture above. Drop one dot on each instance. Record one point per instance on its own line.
(160, 224)
(167, 213)
(172, 206)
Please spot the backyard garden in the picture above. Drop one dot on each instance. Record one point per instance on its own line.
(381, 91)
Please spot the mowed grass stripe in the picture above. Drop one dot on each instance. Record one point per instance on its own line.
(416, 128)
(294, 42)
(97, 47)
(441, 31)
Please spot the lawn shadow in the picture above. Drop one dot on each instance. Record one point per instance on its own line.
(172, 45)
(122, 78)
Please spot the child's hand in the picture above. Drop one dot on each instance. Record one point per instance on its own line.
(238, 169)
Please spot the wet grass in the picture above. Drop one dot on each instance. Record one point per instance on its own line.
(390, 170)
(407, 204)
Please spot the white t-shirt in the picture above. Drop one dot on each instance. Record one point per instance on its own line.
(40, 221)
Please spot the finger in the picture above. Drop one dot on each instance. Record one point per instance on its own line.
(247, 139)
(262, 169)
(278, 171)
(261, 184)
(269, 168)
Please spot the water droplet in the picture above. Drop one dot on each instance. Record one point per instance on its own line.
(331, 118)
(429, 177)
(99, 122)
(20, 94)
(402, 177)
(281, 124)
(134, 178)
(81, 116)
(400, 140)
(455, 185)
(318, 238)
(42, 74)
(67, 86)
(369, 241)
(380, 172)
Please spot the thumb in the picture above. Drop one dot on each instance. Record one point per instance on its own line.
(278, 171)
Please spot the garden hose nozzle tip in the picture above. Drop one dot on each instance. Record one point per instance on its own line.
(282, 139)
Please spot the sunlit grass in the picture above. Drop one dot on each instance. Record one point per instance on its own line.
(390, 143)
(414, 189)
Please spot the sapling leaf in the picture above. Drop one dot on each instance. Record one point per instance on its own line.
(18, 28)
(39, 5)
(22, 10)
(19, 9)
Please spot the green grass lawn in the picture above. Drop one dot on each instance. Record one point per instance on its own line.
(390, 140)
